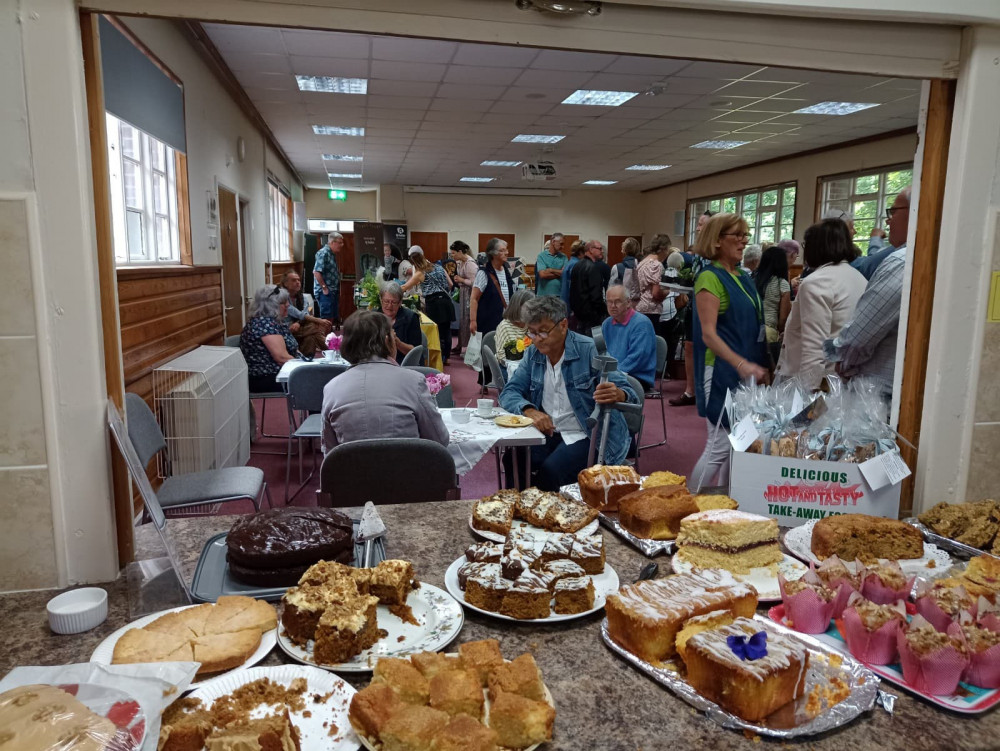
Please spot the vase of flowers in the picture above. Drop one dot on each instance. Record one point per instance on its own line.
(514, 349)
(436, 382)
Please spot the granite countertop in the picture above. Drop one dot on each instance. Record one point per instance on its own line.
(601, 702)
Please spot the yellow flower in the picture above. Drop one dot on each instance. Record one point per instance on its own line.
(520, 345)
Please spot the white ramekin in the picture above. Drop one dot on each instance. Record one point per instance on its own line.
(78, 610)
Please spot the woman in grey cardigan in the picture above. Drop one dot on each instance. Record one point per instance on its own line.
(376, 398)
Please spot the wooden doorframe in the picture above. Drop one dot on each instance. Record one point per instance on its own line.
(242, 212)
(241, 261)
(924, 258)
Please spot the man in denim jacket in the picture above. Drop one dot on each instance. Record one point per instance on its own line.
(557, 388)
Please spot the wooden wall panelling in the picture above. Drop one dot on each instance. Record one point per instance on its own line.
(274, 272)
(349, 276)
(937, 137)
(435, 244)
(615, 247)
(485, 237)
(93, 80)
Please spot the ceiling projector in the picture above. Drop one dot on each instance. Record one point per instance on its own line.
(538, 171)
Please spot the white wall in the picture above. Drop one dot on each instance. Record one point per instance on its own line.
(359, 206)
(213, 123)
(660, 205)
(588, 213)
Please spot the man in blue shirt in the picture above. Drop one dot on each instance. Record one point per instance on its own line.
(630, 338)
(326, 278)
(549, 267)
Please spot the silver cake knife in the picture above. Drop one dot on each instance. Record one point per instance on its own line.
(371, 528)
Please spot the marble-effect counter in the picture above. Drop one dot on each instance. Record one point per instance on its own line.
(601, 702)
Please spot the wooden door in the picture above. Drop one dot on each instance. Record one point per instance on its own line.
(435, 244)
(568, 241)
(485, 237)
(615, 247)
(348, 275)
(229, 238)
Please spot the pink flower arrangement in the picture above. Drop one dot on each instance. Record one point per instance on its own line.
(437, 381)
(333, 342)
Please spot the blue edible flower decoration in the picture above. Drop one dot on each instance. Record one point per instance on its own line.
(749, 649)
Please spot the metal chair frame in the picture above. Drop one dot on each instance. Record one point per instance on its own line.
(305, 394)
(657, 391)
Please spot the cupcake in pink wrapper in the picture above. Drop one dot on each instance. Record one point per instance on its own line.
(932, 661)
(885, 583)
(984, 655)
(808, 603)
(988, 614)
(943, 602)
(835, 575)
(870, 629)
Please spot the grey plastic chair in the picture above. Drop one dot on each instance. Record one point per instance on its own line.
(635, 420)
(597, 334)
(490, 341)
(444, 398)
(206, 488)
(497, 372)
(234, 341)
(388, 470)
(415, 356)
(305, 393)
(657, 391)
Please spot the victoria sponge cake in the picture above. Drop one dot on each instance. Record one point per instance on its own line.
(732, 540)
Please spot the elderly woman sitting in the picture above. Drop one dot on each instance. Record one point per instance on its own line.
(376, 398)
(405, 323)
(266, 341)
(557, 386)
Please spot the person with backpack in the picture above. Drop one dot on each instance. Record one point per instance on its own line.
(623, 273)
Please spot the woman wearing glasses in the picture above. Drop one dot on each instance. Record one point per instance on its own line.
(557, 387)
(266, 341)
(729, 337)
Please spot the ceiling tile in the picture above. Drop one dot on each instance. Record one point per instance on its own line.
(565, 60)
(645, 66)
(273, 95)
(412, 50)
(521, 107)
(467, 91)
(252, 80)
(246, 39)
(396, 102)
(461, 105)
(402, 88)
(718, 70)
(329, 66)
(265, 63)
(494, 55)
(408, 71)
(392, 113)
(567, 80)
(480, 75)
(326, 44)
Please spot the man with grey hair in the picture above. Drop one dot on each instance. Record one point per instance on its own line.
(548, 389)
(868, 264)
(549, 266)
(326, 278)
(586, 294)
(866, 345)
(751, 258)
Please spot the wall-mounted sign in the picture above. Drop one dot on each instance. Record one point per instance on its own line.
(337, 195)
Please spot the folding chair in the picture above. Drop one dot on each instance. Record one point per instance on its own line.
(415, 356)
(305, 393)
(445, 398)
(357, 472)
(657, 391)
(234, 341)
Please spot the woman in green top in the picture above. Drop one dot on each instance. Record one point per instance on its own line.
(729, 339)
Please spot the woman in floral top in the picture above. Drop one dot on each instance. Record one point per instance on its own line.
(435, 286)
(266, 342)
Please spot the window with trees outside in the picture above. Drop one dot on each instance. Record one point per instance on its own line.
(770, 211)
(280, 229)
(144, 196)
(866, 195)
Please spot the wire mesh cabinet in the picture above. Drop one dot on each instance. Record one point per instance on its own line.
(202, 398)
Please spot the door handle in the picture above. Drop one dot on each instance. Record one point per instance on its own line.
(229, 307)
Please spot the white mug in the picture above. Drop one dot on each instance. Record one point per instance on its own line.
(484, 407)
(331, 355)
(461, 415)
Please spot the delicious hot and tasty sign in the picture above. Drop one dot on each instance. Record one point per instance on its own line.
(793, 491)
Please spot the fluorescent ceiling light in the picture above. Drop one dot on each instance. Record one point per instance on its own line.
(337, 130)
(341, 158)
(599, 98)
(331, 85)
(835, 108)
(719, 144)
(345, 175)
(476, 180)
(495, 163)
(599, 182)
(536, 139)
(647, 167)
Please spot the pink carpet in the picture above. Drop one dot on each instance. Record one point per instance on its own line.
(685, 441)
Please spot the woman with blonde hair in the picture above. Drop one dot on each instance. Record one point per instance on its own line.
(435, 286)
(729, 340)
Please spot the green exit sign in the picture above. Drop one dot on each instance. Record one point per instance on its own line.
(337, 195)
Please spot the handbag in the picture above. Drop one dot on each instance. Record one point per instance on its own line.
(474, 352)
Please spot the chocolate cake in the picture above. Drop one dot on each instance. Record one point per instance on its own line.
(275, 547)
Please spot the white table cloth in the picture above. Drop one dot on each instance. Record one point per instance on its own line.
(470, 441)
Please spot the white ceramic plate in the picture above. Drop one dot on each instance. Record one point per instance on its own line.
(374, 746)
(314, 736)
(106, 649)
(530, 529)
(764, 579)
(798, 540)
(604, 584)
(440, 619)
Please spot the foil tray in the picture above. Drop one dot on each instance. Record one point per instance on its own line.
(649, 548)
(792, 720)
(946, 543)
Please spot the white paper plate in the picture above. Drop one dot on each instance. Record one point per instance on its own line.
(798, 540)
(106, 649)
(314, 736)
(764, 579)
(373, 746)
(440, 618)
(604, 584)
(532, 530)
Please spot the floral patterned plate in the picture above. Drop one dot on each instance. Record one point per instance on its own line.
(438, 618)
